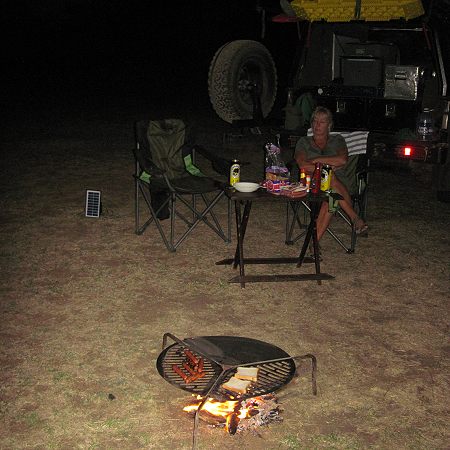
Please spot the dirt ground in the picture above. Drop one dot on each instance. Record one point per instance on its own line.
(85, 303)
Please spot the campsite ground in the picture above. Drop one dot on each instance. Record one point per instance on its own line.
(85, 302)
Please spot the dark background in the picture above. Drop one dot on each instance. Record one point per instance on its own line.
(97, 51)
(88, 53)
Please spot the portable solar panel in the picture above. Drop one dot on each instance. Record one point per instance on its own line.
(93, 203)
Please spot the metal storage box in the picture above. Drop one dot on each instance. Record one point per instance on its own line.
(362, 71)
(401, 82)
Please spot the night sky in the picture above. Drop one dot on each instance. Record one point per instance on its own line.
(64, 50)
(67, 51)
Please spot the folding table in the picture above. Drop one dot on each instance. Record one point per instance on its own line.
(242, 219)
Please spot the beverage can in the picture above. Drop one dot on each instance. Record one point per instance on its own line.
(325, 178)
(235, 172)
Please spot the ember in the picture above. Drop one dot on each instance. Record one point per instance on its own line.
(237, 416)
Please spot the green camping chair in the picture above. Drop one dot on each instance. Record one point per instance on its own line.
(172, 186)
(355, 177)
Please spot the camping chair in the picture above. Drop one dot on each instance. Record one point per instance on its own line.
(357, 174)
(172, 186)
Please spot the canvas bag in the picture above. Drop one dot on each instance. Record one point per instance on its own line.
(166, 139)
(298, 114)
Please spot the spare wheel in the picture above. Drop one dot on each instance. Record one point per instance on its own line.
(236, 66)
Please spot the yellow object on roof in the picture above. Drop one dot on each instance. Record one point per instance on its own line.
(347, 10)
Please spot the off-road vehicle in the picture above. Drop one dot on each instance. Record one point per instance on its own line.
(378, 66)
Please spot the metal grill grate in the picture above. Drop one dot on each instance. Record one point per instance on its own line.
(221, 357)
(271, 377)
(175, 355)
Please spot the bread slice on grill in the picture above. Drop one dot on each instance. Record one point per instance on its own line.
(236, 385)
(247, 373)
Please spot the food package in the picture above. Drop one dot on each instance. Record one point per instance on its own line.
(294, 190)
(275, 168)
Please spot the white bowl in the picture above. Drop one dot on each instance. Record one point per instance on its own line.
(246, 187)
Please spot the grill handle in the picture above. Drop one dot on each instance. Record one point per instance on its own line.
(191, 345)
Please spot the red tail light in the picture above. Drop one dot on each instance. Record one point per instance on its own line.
(407, 151)
(417, 151)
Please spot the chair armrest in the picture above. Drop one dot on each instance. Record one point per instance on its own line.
(144, 163)
(155, 171)
(219, 164)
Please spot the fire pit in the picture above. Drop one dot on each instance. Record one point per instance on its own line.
(227, 368)
(238, 416)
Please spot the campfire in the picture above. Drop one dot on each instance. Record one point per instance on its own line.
(238, 415)
(233, 377)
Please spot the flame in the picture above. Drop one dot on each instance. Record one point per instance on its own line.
(232, 410)
(214, 407)
(220, 409)
(243, 413)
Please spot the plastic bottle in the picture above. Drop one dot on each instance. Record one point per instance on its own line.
(425, 129)
(302, 177)
(315, 180)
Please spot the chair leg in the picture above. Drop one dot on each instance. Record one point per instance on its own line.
(136, 206)
(229, 220)
(194, 205)
(201, 217)
(214, 218)
(169, 237)
(143, 190)
(173, 213)
(290, 226)
(339, 240)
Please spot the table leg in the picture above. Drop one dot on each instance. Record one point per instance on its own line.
(305, 245)
(241, 227)
(315, 208)
(312, 233)
(242, 218)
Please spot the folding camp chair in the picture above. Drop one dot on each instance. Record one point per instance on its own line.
(172, 186)
(357, 179)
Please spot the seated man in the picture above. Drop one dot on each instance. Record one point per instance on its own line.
(324, 148)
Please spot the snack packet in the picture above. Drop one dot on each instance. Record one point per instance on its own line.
(275, 169)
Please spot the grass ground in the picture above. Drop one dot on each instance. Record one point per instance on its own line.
(85, 303)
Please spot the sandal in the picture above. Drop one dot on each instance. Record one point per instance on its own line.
(360, 226)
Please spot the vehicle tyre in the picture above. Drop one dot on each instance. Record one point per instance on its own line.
(236, 66)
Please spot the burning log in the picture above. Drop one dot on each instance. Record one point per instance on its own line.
(211, 419)
(239, 416)
(232, 423)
